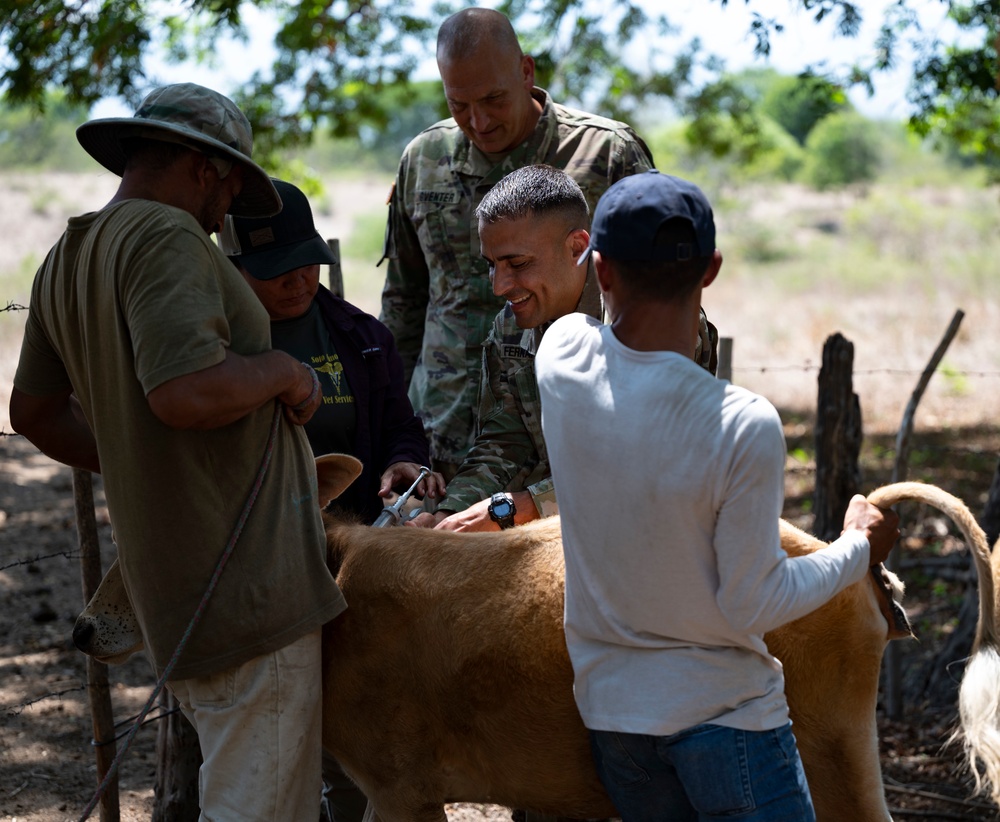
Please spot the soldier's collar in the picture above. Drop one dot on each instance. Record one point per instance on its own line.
(590, 297)
(532, 337)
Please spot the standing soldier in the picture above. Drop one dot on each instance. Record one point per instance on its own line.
(438, 300)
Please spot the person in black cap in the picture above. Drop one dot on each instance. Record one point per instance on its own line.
(364, 410)
(147, 359)
(668, 600)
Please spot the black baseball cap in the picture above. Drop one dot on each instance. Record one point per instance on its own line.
(631, 211)
(273, 246)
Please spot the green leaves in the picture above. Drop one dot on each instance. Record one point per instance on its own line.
(90, 49)
(956, 88)
(843, 149)
(345, 66)
(799, 103)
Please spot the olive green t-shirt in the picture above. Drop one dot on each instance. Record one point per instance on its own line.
(130, 297)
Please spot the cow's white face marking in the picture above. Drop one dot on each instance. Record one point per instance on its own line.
(107, 629)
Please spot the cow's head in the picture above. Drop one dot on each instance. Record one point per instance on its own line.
(107, 628)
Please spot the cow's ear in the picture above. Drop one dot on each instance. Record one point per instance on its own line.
(334, 472)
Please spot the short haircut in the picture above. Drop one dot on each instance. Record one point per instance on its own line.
(537, 190)
(664, 281)
(467, 33)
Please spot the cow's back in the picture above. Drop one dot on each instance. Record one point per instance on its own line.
(449, 673)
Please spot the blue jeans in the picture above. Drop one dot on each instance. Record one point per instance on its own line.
(703, 773)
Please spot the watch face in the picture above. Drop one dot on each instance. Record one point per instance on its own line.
(501, 508)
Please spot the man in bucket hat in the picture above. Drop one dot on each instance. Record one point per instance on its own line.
(685, 706)
(147, 358)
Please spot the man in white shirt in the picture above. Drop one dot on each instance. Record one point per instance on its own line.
(670, 486)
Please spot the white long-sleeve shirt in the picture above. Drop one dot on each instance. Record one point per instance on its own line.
(670, 486)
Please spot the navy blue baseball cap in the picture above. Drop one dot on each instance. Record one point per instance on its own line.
(630, 212)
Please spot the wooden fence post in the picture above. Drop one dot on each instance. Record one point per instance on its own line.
(336, 279)
(98, 692)
(178, 754)
(725, 371)
(838, 438)
(901, 465)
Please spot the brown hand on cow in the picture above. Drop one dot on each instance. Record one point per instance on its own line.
(879, 525)
(477, 517)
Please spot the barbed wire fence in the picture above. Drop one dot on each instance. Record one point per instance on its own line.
(96, 683)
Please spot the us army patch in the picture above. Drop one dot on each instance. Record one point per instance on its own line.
(513, 352)
(437, 196)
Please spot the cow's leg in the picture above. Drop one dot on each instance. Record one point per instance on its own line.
(390, 809)
(345, 800)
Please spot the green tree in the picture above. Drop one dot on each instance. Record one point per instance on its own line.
(842, 149)
(335, 58)
(724, 120)
(798, 103)
(728, 119)
(335, 61)
(956, 88)
(28, 141)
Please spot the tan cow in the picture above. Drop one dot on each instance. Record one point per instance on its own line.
(447, 679)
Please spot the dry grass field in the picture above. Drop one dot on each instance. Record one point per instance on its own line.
(887, 268)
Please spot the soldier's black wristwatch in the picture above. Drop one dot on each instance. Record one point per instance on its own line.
(502, 509)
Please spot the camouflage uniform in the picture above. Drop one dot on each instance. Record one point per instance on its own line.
(438, 301)
(509, 453)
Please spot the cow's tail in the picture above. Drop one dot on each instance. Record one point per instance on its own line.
(979, 694)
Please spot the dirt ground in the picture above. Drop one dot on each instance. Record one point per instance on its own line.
(47, 771)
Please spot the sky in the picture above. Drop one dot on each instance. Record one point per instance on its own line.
(723, 31)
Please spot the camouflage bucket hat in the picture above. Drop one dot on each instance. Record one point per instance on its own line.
(194, 116)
